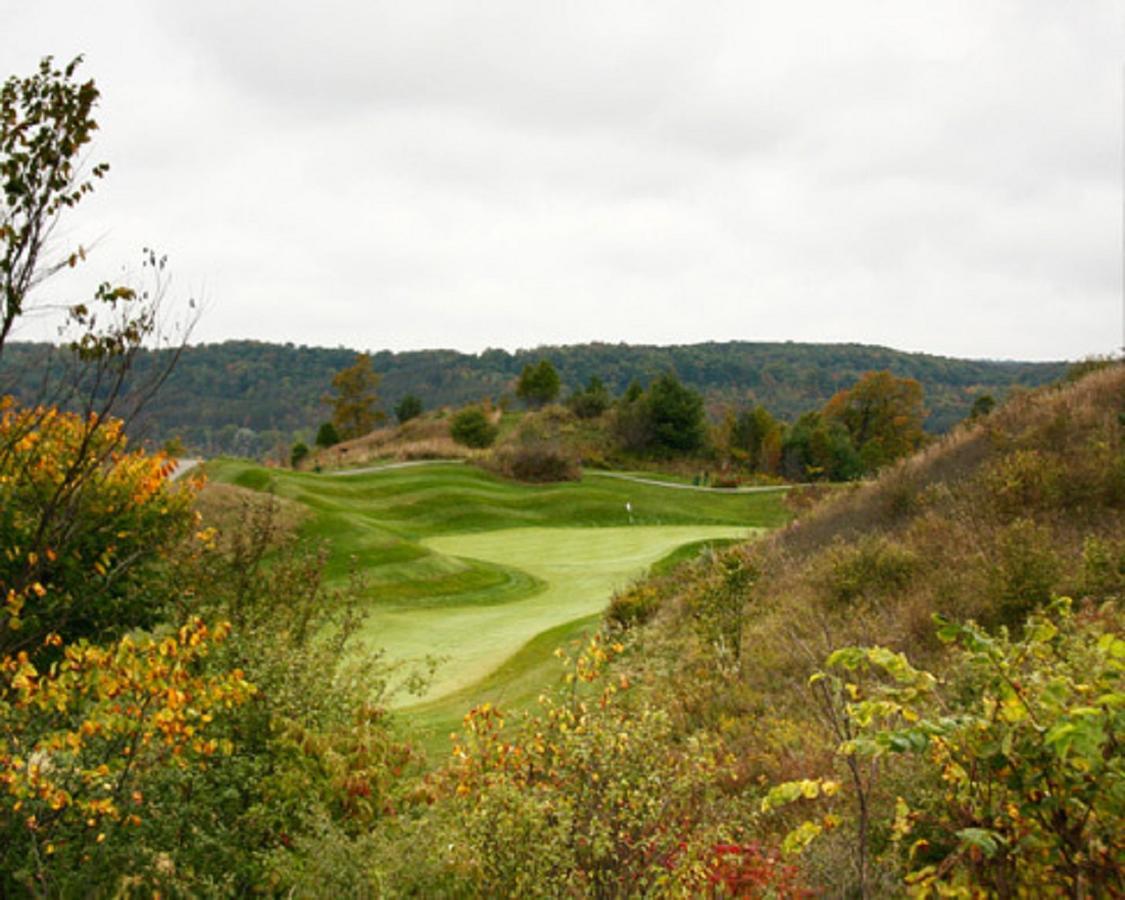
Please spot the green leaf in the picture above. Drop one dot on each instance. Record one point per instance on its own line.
(988, 842)
(800, 837)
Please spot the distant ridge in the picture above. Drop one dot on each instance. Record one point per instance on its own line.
(248, 396)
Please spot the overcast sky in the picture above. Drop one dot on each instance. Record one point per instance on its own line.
(936, 176)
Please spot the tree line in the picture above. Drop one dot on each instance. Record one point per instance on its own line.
(860, 429)
(248, 397)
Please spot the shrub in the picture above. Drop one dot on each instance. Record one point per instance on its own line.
(472, 428)
(298, 453)
(83, 522)
(1023, 480)
(592, 401)
(587, 797)
(1026, 570)
(542, 461)
(871, 568)
(1026, 783)
(1103, 568)
(634, 606)
(538, 450)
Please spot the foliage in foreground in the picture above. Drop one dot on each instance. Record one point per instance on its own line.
(1021, 784)
(197, 753)
(592, 795)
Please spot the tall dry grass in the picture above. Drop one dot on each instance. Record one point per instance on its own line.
(426, 437)
(985, 523)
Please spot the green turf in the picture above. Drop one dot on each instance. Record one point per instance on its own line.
(580, 568)
(684, 552)
(486, 573)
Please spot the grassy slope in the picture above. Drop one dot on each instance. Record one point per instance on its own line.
(463, 565)
(986, 524)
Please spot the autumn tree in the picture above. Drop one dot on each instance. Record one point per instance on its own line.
(171, 714)
(46, 120)
(355, 400)
(83, 524)
(758, 434)
(79, 522)
(539, 384)
(883, 415)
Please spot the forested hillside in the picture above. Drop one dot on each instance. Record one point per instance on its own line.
(247, 397)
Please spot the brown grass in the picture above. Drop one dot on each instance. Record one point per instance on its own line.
(227, 507)
(983, 524)
(426, 437)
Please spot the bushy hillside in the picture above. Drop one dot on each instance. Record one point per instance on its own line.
(988, 525)
(936, 753)
(246, 396)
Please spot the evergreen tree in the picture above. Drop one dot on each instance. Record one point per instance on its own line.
(409, 407)
(675, 415)
(539, 384)
(327, 436)
(591, 402)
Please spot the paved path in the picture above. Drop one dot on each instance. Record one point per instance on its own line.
(687, 487)
(183, 466)
(761, 489)
(367, 470)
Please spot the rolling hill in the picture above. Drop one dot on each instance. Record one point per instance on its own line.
(248, 397)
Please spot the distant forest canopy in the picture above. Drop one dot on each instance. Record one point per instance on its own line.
(249, 397)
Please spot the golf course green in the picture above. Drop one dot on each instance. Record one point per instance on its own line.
(487, 575)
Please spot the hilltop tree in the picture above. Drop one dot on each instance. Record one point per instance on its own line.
(675, 415)
(472, 428)
(631, 423)
(355, 400)
(592, 401)
(758, 434)
(539, 384)
(409, 407)
(883, 415)
(817, 448)
(327, 436)
(297, 454)
(982, 406)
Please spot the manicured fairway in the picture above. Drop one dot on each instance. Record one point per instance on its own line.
(490, 575)
(580, 568)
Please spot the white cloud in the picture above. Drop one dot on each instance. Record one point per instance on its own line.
(943, 177)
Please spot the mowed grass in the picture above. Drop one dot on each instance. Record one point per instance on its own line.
(490, 575)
